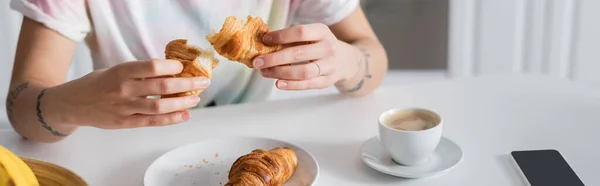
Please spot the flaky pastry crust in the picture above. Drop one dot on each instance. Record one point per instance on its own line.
(196, 62)
(242, 42)
(261, 167)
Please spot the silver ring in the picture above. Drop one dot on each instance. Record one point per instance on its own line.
(318, 67)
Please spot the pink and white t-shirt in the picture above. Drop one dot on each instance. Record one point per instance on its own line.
(117, 31)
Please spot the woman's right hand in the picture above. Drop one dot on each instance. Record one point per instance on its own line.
(116, 97)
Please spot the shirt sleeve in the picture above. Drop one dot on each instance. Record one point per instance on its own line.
(328, 12)
(67, 17)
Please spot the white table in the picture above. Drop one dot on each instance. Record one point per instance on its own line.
(488, 117)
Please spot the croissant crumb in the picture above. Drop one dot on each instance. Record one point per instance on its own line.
(260, 167)
(196, 62)
(242, 42)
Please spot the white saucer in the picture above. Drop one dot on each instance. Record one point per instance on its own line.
(446, 156)
(208, 162)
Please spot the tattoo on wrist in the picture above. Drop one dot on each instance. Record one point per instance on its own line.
(365, 59)
(41, 118)
(10, 100)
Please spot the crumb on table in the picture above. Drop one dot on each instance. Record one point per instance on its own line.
(216, 154)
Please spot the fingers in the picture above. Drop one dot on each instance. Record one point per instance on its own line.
(156, 112)
(149, 68)
(295, 54)
(161, 86)
(162, 106)
(299, 33)
(143, 120)
(319, 82)
(299, 72)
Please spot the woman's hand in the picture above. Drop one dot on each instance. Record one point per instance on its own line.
(117, 97)
(319, 56)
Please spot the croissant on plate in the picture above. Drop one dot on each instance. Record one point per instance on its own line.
(261, 167)
(196, 62)
(242, 42)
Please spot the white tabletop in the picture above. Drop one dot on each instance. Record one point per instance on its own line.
(488, 117)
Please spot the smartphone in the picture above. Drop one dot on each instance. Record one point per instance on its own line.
(544, 168)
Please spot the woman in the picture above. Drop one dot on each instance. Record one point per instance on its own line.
(127, 39)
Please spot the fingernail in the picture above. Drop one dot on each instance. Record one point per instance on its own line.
(258, 62)
(267, 38)
(194, 100)
(266, 72)
(176, 63)
(282, 84)
(201, 82)
(185, 116)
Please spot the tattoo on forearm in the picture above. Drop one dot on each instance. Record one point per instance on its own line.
(41, 118)
(10, 100)
(365, 59)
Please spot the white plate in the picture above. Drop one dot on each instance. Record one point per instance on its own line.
(207, 162)
(447, 155)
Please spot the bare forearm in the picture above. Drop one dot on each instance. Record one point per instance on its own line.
(34, 114)
(42, 60)
(366, 68)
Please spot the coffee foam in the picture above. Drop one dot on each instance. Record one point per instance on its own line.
(411, 120)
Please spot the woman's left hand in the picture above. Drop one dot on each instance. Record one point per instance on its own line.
(312, 58)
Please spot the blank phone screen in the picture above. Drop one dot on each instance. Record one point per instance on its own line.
(546, 168)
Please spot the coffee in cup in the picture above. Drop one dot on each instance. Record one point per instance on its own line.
(411, 120)
(410, 135)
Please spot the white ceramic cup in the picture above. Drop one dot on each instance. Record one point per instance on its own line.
(410, 147)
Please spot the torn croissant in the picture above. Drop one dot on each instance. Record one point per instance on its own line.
(242, 42)
(261, 167)
(196, 62)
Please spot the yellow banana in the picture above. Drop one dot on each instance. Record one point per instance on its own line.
(4, 179)
(13, 169)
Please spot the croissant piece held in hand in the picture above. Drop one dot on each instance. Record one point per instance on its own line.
(242, 42)
(196, 62)
(261, 167)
